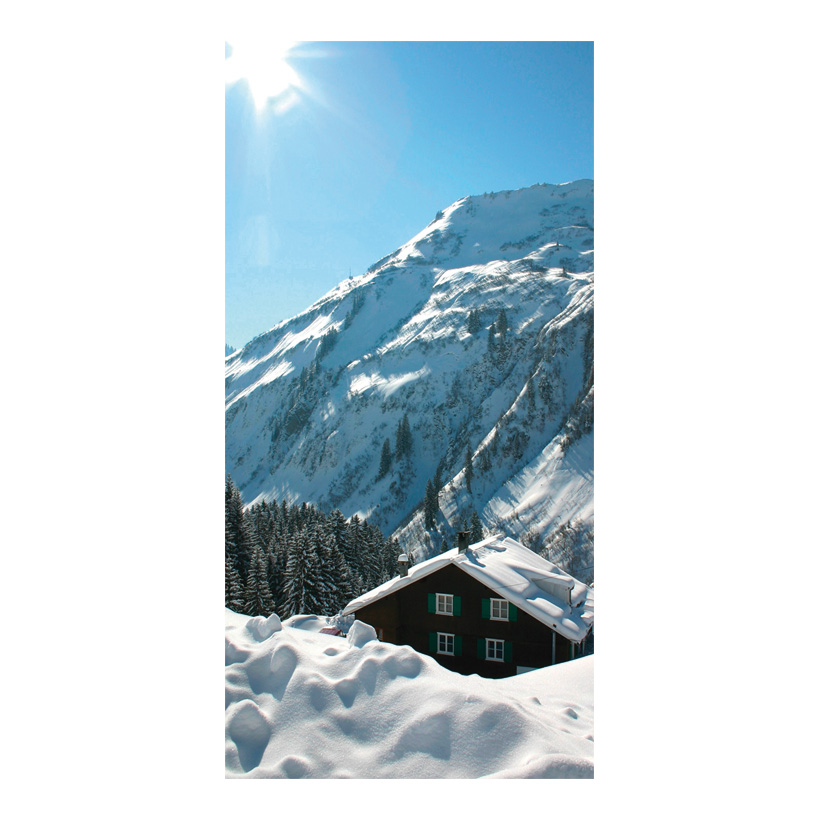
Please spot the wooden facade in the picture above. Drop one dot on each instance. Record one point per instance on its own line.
(408, 616)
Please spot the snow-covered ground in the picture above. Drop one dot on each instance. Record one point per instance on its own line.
(301, 704)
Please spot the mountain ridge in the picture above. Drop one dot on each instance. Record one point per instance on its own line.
(479, 331)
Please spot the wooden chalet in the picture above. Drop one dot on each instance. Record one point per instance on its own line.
(494, 608)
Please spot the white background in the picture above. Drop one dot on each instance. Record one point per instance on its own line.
(113, 191)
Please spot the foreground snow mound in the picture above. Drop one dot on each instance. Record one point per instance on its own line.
(262, 628)
(361, 633)
(299, 703)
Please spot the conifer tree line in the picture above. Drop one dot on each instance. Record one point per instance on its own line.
(294, 560)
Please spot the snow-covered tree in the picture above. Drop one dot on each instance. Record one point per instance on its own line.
(234, 598)
(258, 600)
(237, 530)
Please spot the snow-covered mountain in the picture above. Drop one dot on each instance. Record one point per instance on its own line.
(476, 335)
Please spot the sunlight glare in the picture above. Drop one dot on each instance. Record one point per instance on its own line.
(263, 63)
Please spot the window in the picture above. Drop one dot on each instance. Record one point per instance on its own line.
(495, 650)
(446, 644)
(444, 604)
(440, 603)
(499, 609)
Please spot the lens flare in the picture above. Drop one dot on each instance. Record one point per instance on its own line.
(263, 63)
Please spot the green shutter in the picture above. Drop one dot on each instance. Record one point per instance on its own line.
(482, 649)
(513, 612)
(507, 652)
(457, 644)
(433, 642)
(456, 605)
(485, 608)
(431, 601)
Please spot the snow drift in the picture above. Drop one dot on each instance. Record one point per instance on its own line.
(302, 704)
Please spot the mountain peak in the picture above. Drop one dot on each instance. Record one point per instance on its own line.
(478, 332)
(478, 229)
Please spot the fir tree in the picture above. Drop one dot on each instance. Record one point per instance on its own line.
(302, 590)
(430, 505)
(276, 559)
(327, 343)
(358, 301)
(230, 553)
(341, 580)
(468, 468)
(438, 482)
(369, 540)
(386, 460)
(473, 322)
(355, 534)
(249, 542)
(317, 586)
(530, 396)
(476, 530)
(501, 324)
(294, 586)
(404, 439)
(408, 437)
(324, 570)
(258, 600)
(237, 530)
(390, 558)
(234, 599)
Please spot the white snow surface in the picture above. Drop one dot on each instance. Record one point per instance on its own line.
(301, 704)
(515, 573)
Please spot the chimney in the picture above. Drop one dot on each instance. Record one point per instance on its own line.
(403, 565)
(463, 541)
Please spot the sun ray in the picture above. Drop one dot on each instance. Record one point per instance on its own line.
(263, 63)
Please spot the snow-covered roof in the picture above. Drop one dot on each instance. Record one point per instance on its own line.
(514, 572)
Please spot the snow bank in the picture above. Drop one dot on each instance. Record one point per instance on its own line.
(299, 703)
(361, 633)
(262, 628)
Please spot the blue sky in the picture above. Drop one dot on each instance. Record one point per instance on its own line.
(370, 141)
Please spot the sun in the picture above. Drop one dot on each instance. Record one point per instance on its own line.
(263, 63)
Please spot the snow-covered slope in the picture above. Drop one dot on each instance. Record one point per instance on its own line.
(303, 704)
(310, 403)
